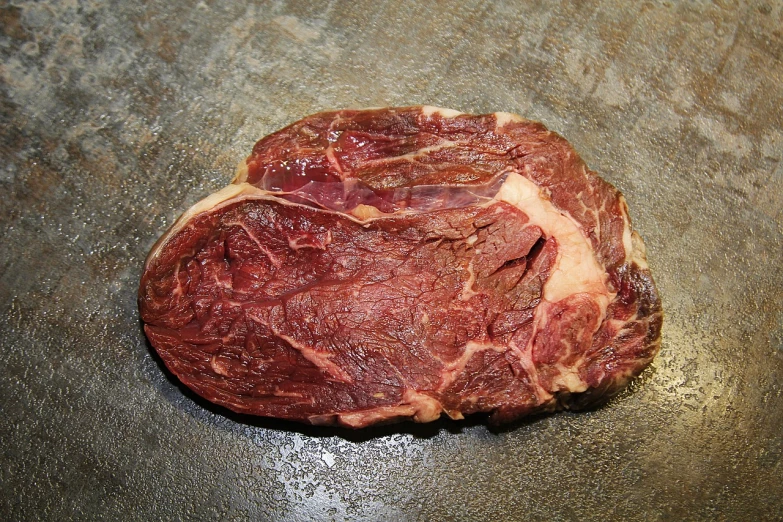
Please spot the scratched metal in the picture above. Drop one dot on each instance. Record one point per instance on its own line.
(115, 118)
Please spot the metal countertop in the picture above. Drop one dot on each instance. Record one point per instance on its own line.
(116, 117)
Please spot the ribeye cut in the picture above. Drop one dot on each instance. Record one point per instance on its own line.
(374, 265)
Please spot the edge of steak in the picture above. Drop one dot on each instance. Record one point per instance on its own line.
(366, 266)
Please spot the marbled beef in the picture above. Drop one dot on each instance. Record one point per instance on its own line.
(374, 265)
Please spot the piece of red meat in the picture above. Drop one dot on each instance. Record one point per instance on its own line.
(375, 265)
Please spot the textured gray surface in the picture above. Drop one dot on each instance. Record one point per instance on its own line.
(115, 118)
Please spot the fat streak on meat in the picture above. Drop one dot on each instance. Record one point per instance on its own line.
(375, 265)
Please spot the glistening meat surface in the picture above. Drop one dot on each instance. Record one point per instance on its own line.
(377, 265)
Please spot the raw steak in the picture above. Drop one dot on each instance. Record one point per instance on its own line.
(377, 265)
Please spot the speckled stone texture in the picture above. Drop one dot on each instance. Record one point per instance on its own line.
(115, 118)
